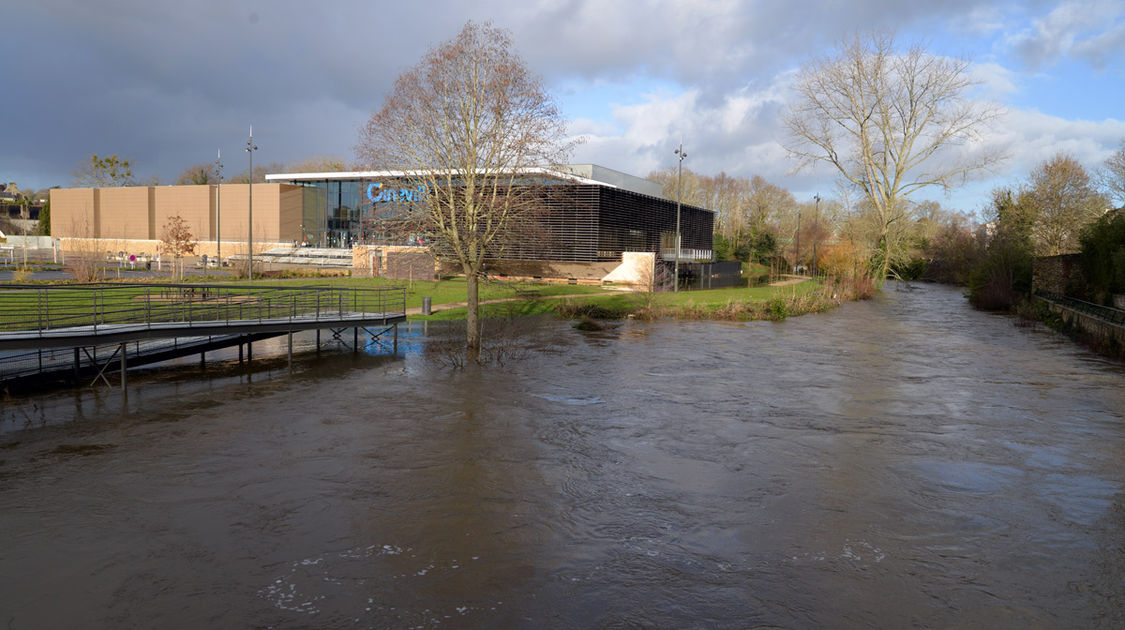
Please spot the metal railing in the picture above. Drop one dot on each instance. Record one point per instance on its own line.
(34, 308)
(1106, 313)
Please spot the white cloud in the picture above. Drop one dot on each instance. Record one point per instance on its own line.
(1088, 30)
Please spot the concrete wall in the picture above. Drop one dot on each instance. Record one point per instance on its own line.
(151, 247)
(637, 269)
(1098, 328)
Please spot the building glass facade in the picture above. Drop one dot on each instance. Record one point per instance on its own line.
(584, 222)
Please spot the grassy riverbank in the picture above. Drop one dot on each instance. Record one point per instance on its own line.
(505, 299)
(737, 304)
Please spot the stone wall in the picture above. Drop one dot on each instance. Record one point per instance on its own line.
(394, 261)
(1061, 275)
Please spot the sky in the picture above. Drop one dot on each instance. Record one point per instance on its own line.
(167, 84)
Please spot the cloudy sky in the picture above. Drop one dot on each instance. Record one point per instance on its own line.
(167, 83)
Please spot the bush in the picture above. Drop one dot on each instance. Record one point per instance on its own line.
(1103, 256)
(777, 309)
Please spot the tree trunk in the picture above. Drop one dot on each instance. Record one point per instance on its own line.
(472, 317)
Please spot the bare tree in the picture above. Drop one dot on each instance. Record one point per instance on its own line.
(887, 122)
(319, 164)
(1113, 175)
(199, 174)
(1062, 199)
(463, 126)
(99, 172)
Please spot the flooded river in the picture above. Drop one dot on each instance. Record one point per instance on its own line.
(903, 462)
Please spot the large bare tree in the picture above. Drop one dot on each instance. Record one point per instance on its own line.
(1063, 199)
(888, 121)
(463, 127)
(1113, 174)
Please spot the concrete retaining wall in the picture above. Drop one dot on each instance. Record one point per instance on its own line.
(1094, 326)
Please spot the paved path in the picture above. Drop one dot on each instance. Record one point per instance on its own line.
(797, 280)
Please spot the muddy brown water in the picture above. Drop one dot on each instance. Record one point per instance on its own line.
(903, 462)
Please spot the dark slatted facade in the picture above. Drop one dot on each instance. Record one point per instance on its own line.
(591, 223)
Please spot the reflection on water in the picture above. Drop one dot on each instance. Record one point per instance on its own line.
(895, 463)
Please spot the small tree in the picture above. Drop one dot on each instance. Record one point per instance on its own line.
(886, 121)
(45, 218)
(101, 172)
(463, 125)
(178, 241)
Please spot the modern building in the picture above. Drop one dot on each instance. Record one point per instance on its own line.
(591, 218)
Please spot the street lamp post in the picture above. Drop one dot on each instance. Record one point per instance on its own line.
(251, 148)
(816, 228)
(219, 209)
(797, 245)
(679, 196)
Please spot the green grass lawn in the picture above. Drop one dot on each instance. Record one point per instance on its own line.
(127, 301)
(449, 291)
(543, 298)
(617, 301)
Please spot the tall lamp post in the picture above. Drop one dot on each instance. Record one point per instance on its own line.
(679, 196)
(219, 209)
(251, 148)
(816, 228)
(797, 244)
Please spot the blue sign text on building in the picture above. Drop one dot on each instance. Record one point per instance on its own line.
(377, 194)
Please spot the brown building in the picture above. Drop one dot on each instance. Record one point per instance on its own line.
(132, 218)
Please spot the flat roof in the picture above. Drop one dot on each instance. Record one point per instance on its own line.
(531, 170)
(589, 174)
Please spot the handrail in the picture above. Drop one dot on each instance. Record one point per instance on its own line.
(1107, 313)
(38, 308)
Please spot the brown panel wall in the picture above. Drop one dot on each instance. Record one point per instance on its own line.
(141, 212)
(72, 212)
(124, 212)
(290, 211)
(193, 204)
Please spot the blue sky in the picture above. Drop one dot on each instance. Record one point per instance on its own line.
(168, 83)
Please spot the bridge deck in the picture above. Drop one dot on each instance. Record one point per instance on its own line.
(88, 335)
(37, 321)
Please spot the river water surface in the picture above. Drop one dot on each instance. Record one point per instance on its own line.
(902, 462)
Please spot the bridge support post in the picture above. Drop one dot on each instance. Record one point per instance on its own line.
(124, 365)
(318, 340)
(290, 351)
(394, 349)
(355, 340)
(77, 365)
(240, 353)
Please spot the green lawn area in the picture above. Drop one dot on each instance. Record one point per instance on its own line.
(625, 302)
(520, 298)
(448, 291)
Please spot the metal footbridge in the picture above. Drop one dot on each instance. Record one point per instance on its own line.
(48, 332)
